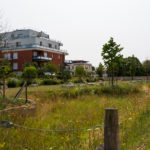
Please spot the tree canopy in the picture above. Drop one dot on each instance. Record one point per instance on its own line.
(111, 56)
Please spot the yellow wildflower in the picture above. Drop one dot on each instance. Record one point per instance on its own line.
(2, 145)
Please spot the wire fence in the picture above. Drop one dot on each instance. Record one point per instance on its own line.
(8, 124)
(130, 130)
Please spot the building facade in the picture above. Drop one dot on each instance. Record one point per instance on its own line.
(21, 46)
(72, 64)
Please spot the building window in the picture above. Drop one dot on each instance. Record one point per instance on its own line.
(45, 54)
(12, 36)
(58, 56)
(20, 35)
(15, 66)
(18, 44)
(40, 43)
(7, 56)
(50, 45)
(55, 46)
(35, 54)
(15, 55)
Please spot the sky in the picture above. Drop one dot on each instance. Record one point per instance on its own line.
(84, 26)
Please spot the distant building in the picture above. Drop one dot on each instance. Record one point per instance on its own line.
(72, 64)
(21, 46)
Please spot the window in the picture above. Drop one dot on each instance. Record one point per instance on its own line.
(20, 35)
(18, 44)
(7, 56)
(34, 53)
(58, 56)
(40, 43)
(15, 66)
(55, 46)
(45, 54)
(12, 36)
(15, 55)
(50, 45)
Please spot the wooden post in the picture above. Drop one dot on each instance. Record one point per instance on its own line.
(111, 130)
(26, 92)
(4, 88)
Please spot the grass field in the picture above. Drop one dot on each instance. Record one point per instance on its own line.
(77, 112)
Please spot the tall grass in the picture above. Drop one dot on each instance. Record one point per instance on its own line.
(76, 111)
(105, 90)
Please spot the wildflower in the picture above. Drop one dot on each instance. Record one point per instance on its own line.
(130, 118)
(97, 128)
(2, 145)
(88, 129)
(67, 138)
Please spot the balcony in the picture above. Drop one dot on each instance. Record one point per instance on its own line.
(41, 58)
(14, 47)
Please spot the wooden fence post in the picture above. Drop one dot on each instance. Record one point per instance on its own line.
(111, 130)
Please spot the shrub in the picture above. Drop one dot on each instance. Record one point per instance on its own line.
(12, 83)
(78, 81)
(49, 82)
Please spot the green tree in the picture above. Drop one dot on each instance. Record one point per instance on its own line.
(100, 70)
(111, 55)
(27, 64)
(133, 67)
(146, 67)
(5, 71)
(51, 67)
(80, 72)
(29, 73)
(64, 75)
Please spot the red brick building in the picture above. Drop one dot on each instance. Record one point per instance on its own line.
(23, 46)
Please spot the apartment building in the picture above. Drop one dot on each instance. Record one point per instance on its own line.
(72, 64)
(21, 46)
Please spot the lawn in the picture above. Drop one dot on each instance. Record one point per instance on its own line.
(73, 113)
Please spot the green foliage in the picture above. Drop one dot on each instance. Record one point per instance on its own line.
(64, 75)
(28, 64)
(29, 73)
(100, 70)
(5, 69)
(80, 80)
(133, 66)
(51, 67)
(79, 71)
(105, 90)
(12, 83)
(111, 55)
(49, 82)
(146, 67)
(79, 112)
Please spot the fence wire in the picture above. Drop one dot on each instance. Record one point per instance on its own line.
(7, 124)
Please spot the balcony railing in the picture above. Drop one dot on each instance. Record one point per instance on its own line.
(41, 58)
(12, 47)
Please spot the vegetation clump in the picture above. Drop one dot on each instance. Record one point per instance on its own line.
(49, 82)
(104, 90)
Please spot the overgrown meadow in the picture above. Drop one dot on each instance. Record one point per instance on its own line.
(80, 107)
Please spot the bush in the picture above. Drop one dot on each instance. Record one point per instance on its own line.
(12, 83)
(49, 82)
(78, 81)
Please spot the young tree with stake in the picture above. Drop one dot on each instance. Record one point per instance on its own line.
(111, 55)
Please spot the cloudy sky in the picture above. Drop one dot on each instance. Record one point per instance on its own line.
(85, 25)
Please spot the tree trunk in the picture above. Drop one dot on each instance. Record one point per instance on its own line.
(4, 88)
(26, 92)
(112, 77)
